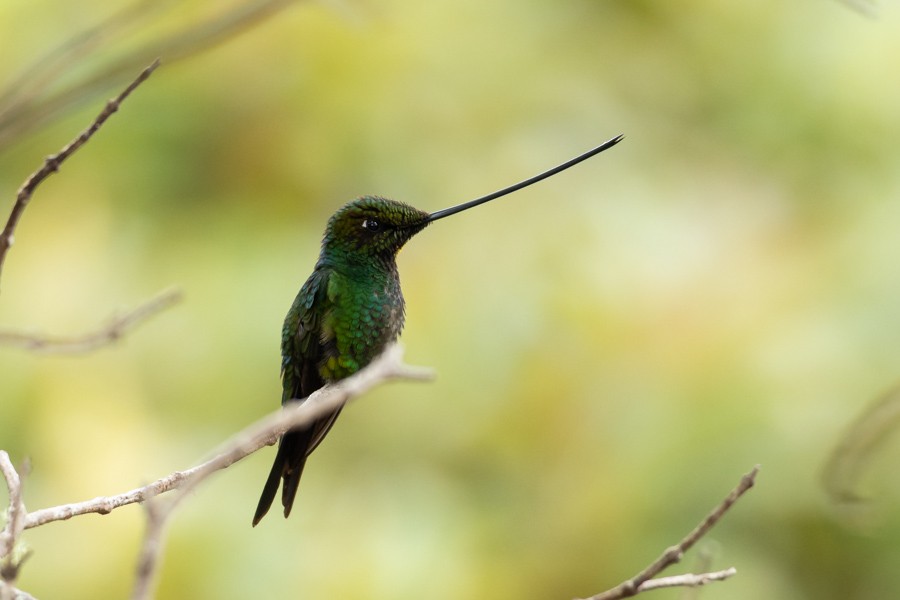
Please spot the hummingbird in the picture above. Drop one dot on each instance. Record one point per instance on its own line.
(349, 310)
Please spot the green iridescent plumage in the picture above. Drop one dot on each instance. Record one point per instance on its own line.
(345, 314)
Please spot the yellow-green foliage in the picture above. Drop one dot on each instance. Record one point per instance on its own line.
(614, 346)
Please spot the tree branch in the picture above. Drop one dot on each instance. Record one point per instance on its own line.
(53, 162)
(26, 104)
(9, 565)
(16, 512)
(110, 333)
(263, 433)
(644, 581)
(148, 559)
(687, 580)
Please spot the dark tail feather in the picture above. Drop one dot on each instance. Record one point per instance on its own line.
(270, 489)
(295, 446)
(289, 463)
(291, 483)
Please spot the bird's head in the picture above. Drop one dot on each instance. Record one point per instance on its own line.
(372, 228)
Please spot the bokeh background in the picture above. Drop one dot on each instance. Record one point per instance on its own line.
(614, 346)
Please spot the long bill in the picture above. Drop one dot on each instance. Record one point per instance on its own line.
(523, 184)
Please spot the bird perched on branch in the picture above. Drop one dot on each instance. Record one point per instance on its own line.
(348, 311)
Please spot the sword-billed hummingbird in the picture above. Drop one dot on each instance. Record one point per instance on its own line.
(349, 309)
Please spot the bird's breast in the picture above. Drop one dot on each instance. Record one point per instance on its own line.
(365, 317)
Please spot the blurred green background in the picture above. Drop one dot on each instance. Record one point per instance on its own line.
(614, 346)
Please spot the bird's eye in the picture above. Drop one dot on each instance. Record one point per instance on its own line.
(371, 225)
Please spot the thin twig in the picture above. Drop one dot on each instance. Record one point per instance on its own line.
(20, 115)
(53, 162)
(642, 581)
(15, 523)
(263, 433)
(148, 559)
(687, 580)
(16, 516)
(35, 78)
(105, 335)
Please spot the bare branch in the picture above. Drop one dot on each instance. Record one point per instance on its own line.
(35, 78)
(687, 580)
(105, 335)
(643, 581)
(53, 162)
(263, 433)
(15, 523)
(16, 514)
(148, 559)
(21, 112)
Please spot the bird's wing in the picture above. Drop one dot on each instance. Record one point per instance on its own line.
(303, 347)
(301, 344)
(302, 350)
